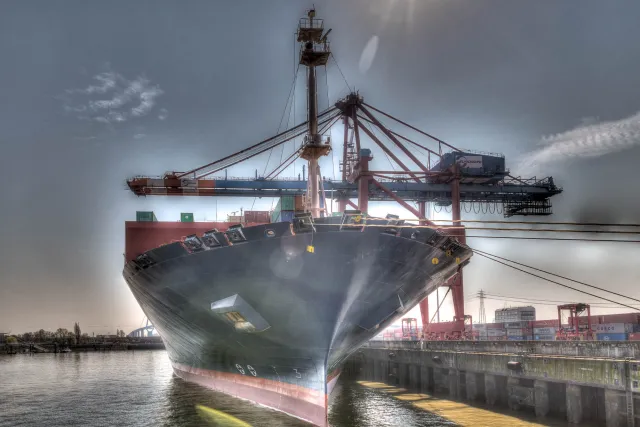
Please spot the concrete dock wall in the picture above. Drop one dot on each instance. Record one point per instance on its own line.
(577, 381)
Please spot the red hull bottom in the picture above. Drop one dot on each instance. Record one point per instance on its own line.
(306, 404)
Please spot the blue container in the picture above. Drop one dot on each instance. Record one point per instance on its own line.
(516, 338)
(286, 216)
(547, 337)
(611, 337)
(636, 327)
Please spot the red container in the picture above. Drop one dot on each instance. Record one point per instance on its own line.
(634, 336)
(552, 323)
(263, 217)
(495, 325)
(620, 318)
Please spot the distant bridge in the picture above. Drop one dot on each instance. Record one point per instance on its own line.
(148, 330)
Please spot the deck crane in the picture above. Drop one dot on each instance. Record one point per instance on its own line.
(448, 178)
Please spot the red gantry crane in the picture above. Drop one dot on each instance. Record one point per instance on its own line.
(440, 174)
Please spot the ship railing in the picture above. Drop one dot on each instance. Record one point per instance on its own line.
(307, 23)
(317, 48)
(482, 153)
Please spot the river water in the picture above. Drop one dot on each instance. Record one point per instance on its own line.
(138, 388)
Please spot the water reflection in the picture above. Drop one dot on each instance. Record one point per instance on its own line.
(138, 388)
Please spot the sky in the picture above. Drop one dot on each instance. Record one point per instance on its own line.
(97, 92)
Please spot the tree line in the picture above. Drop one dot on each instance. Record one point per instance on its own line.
(61, 336)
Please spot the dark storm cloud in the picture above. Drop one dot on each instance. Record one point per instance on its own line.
(187, 83)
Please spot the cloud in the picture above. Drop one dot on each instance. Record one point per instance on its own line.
(589, 139)
(107, 82)
(139, 136)
(368, 54)
(127, 99)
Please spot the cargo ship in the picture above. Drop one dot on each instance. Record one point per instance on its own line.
(268, 312)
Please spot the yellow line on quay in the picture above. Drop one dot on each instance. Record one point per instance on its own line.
(459, 412)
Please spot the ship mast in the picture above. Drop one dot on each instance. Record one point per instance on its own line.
(314, 52)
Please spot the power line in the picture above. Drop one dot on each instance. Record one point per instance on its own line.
(556, 275)
(542, 303)
(558, 283)
(583, 224)
(570, 239)
(536, 301)
(531, 230)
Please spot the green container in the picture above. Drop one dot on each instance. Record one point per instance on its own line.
(186, 217)
(336, 214)
(145, 216)
(275, 214)
(287, 203)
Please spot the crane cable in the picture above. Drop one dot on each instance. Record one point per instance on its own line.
(556, 275)
(291, 91)
(444, 228)
(478, 221)
(558, 283)
(533, 300)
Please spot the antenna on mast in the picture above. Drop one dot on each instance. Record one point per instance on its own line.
(314, 51)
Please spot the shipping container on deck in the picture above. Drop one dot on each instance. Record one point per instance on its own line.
(287, 203)
(636, 328)
(274, 215)
(186, 217)
(258, 217)
(544, 337)
(298, 204)
(611, 337)
(496, 332)
(286, 216)
(236, 219)
(634, 336)
(146, 216)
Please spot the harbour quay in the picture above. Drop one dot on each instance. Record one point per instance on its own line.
(595, 382)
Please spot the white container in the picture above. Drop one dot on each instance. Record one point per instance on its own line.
(544, 331)
(516, 325)
(610, 328)
(496, 332)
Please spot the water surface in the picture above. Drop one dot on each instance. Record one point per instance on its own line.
(138, 388)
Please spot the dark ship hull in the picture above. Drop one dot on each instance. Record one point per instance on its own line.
(269, 313)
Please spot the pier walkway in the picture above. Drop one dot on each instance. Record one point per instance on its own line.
(580, 381)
